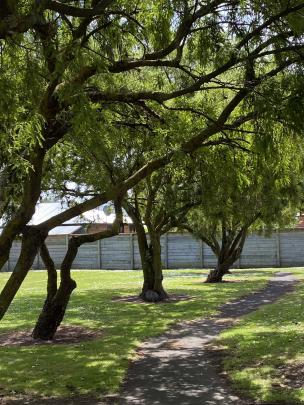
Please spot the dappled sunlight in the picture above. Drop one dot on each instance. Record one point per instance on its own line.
(99, 366)
(264, 341)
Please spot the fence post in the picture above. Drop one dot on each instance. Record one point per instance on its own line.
(201, 251)
(166, 252)
(278, 248)
(132, 251)
(99, 254)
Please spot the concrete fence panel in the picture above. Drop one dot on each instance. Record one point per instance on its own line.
(179, 250)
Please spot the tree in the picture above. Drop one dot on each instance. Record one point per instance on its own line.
(61, 39)
(58, 298)
(248, 191)
(157, 205)
(100, 55)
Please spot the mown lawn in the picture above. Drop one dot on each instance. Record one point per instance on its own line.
(99, 366)
(265, 351)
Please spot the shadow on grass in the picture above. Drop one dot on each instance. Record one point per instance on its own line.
(255, 368)
(265, 343)
(99, 366)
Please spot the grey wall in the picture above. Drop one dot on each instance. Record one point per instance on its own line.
(282, 249)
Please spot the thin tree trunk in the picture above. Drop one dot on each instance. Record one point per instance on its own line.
(31, 242)
(51, 273)
(150, 254)
(145, 250)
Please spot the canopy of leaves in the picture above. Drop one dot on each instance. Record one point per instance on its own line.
(248, 189)
(87, 69)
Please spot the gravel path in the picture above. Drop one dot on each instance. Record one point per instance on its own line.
(174, 368)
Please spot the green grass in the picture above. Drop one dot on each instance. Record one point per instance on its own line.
(262, 343)
(99, 366)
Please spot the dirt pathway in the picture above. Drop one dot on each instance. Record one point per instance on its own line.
(174, 368)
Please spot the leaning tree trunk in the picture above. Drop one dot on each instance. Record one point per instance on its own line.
(216, 275)
(54, 307)
(226, 258)
(31, 192)
(31, 242)
(53, 311)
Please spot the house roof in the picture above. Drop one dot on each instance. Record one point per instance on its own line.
(64, 230)
(45, 211)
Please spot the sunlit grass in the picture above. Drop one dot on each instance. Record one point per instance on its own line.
(264, 341)
(99, 366)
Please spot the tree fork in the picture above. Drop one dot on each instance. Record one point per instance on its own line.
(54, 308)
(53, 311)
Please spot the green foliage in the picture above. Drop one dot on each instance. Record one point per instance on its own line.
(260, 188)
(75, 79)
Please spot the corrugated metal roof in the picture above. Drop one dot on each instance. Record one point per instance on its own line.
(45, 211)
(64, 230)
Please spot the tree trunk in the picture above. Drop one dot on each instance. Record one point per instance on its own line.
(31, 242)
(153, 291)
(31, 192)
(229, 251)
(145, 252)
(216, 275)
(150, 254)
(51, 273)
(54, 307)
(145, 255)
(53, 311)
(226, 259)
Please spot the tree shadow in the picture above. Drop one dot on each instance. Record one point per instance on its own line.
(99, 366)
